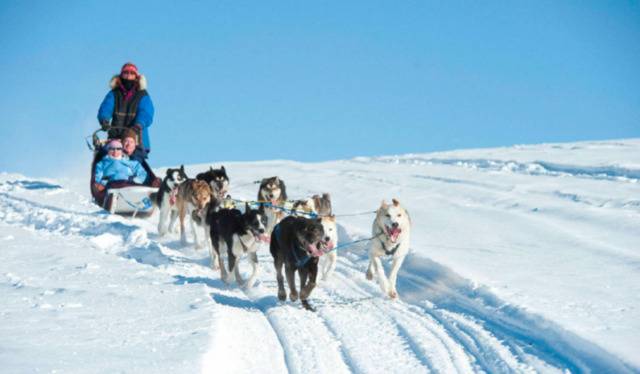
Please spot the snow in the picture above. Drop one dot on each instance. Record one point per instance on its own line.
(523, 259)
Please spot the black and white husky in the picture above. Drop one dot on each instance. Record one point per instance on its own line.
(392, 232)
(166, 199)
(320, 206)
(218, 181)
(273, 192)
(240, 233)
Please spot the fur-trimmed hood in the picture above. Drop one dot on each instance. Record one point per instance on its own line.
(142, 82)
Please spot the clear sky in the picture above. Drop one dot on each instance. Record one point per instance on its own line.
(317, 80)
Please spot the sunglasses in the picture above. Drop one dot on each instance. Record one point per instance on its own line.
(115, 149)
(131, 72)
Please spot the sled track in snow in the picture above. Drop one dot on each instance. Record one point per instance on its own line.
(442, 324)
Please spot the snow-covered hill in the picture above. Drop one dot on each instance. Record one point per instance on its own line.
(523, 259)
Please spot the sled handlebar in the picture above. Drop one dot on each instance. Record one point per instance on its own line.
(96, 140)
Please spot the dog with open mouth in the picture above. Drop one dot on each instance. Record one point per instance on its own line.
(272, 192)
(166, 199)
(327, 263)
(240, 233)
(391, 234)
(297, 244)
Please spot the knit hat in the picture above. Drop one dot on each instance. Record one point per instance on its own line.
(129, 66)
(115, 143)
(129, 133)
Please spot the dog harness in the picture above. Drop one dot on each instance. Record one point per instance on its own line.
(387, 251)
(300, 262)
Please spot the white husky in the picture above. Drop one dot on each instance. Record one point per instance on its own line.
(392, 232)
(328, 261)
(166, 199)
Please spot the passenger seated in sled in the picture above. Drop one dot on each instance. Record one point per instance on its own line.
(136, 152)
(115, 171)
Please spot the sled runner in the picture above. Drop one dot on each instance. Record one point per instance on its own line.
(121, 197)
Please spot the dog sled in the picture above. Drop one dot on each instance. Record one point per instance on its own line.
(120, 197)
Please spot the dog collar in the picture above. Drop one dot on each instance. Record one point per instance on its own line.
(389, 252)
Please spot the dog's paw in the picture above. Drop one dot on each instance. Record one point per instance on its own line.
(293, 296)
(214, 265)
(307, 306)
(369, 275)
(250, 283)
(393, 294)
(282, 295)
(241, 282)
(199, 246)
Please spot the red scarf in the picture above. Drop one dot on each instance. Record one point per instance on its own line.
(128, 94)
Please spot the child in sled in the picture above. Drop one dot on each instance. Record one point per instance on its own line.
(115, 170)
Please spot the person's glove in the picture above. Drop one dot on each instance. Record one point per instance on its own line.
(104, 124)
(99, 187)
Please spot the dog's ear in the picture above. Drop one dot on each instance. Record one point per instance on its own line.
(169, 171)
(326, 196)
(247, 207)
(383, 205)
(182, 168)
(223, 170)
(395, 202)
(283, 190)
(276, 180)
(211, 168)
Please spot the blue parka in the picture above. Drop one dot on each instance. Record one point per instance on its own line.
(110, 169)
(144, 112)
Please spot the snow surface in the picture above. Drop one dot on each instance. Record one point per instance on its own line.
(523, 259)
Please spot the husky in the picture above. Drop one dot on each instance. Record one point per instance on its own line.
(218, 181)
(193, 195)
(392, 232)
(240, 233)
(297, 243)
(316, 205)
(166, 199)
(273, 191)
(328, 261)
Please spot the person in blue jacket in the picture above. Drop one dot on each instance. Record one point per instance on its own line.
(115, 167)
(128, 105)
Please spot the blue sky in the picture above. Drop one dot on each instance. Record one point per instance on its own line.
(322, 80)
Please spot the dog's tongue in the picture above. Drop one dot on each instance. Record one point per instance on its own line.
(329, 245)
(264, 238)
(394, 232)
(313, 249)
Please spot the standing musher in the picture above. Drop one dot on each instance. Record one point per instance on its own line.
(128, 105)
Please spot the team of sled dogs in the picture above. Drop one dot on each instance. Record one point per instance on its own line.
(296, 242)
